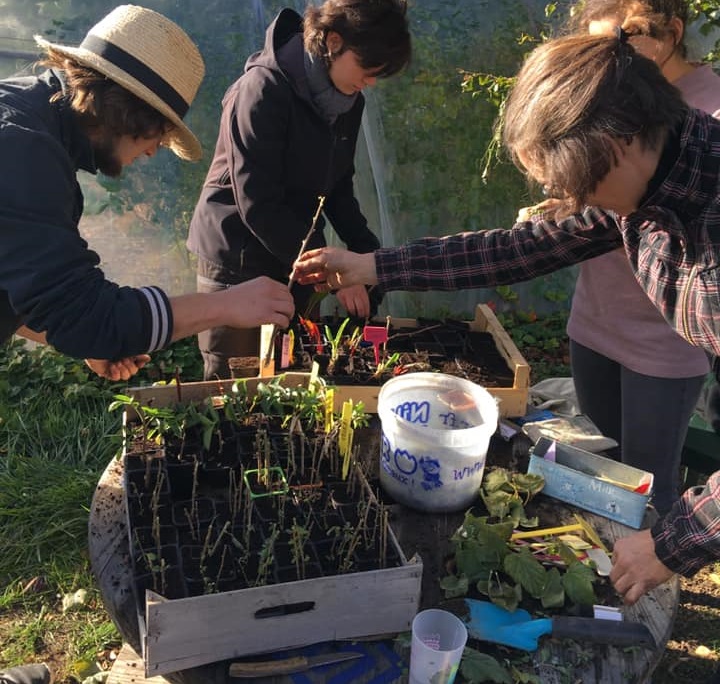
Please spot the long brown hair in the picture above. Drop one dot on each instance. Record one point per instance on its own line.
(576, 95)
(649, 18)
(102, 104)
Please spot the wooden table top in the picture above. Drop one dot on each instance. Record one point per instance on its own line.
(589, 663)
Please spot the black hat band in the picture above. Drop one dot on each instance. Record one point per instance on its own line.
(138, 70)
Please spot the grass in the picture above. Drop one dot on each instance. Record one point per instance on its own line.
(52, 453)
(56, 439)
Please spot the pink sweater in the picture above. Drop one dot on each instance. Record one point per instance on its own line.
(610, 312)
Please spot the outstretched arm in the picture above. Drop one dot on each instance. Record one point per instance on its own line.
(333, 267)
(484, 258)
(684, 540)
(247, 305)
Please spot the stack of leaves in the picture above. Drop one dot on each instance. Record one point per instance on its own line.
(488, 561)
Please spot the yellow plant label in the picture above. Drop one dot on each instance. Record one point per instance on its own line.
(345, 437)
(329, 405)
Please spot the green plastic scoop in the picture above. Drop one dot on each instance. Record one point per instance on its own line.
(487, 622)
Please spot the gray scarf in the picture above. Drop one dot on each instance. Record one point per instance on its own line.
(328, 100)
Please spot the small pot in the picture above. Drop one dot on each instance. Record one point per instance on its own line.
(244, 366)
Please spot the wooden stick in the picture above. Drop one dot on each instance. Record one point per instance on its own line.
(293, 274)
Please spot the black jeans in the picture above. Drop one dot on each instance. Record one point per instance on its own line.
(647, 416)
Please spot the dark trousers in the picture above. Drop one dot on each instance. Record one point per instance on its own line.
(647, 416)
(218, 345)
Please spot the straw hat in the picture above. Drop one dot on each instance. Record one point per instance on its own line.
(150, 56)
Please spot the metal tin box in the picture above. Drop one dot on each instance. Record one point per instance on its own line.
(592, 482)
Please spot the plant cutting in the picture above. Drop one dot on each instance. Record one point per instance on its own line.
(291, 279)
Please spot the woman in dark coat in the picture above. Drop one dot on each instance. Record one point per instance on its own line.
(287, 137)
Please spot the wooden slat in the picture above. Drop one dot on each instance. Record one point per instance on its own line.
(130, 669)
(186, 633)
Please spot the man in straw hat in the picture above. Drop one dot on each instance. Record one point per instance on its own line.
(118, 96)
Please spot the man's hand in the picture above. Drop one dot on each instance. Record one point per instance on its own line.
(246, 305)
(258, 301)
(123, 369)
(636, 569)
(355, 300)
(332, 268)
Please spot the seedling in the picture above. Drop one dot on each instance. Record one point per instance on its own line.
(299, 536)
(335, 341)
(280, 480)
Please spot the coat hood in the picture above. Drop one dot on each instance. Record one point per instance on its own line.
(283, 51)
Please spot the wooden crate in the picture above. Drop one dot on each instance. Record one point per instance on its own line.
(512, 400)
(178, 634)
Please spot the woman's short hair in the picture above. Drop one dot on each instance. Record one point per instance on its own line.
(375, 30)
(101, 103)
(576, 95)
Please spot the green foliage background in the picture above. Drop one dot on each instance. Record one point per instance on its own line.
(421, 161)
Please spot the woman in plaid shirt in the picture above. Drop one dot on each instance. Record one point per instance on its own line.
(599, 126)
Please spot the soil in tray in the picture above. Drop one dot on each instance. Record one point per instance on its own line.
(233, 528)
(449, 347)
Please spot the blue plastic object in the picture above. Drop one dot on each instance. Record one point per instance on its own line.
(489, 622)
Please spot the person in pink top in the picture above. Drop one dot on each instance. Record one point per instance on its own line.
(634, 376)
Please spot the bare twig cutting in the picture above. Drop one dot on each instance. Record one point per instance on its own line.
(293, 274)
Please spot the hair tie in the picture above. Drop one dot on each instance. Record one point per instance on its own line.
(622, 35)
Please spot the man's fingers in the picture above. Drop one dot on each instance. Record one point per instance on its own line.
(634, 594)
(280, 320)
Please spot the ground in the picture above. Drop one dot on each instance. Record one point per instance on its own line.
(693, 653)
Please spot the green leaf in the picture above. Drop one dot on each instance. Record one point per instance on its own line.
(505, 595)
(578, 584)
(477, 561)
(475, 527)
(480, 667)
(516, 511)
(553, 594)
(526, 570)
(454, 585)
(495, 479)
(566, 553)
(530, 523)
(523, 677)
(498, 503)
(527, 482)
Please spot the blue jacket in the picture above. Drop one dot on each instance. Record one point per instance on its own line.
(49, 279)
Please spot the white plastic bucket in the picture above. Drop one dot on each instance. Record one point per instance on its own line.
(435, 434)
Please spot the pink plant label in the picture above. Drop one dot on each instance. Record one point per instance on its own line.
(377, 334)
